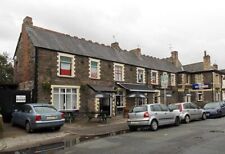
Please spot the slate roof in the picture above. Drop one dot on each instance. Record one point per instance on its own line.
(194, 67)
(61, 42)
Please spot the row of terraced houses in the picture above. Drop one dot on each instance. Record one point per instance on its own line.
(72, 73)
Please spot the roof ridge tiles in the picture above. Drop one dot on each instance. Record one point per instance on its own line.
(51, 31)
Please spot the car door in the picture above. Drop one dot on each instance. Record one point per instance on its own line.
(196, 111)
(23, 114)
(187, 108)
(168, 117)
(223, 107)
(156, 111)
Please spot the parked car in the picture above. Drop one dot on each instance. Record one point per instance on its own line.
(151, 115)
(36, 116)
(215, 109)
(188, 111)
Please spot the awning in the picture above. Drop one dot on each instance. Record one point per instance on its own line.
(99, 88)
(136, 87)
(136, 95)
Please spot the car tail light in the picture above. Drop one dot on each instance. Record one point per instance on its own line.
(146, 115)
(62, 116)
(180, 107)
(37, 117)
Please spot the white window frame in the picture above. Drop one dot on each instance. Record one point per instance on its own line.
(98, 68)
(198, 98)
(72, 65)
(173, 79)
(66, 87)
(114, 73)
(157, 77)
(137, 74)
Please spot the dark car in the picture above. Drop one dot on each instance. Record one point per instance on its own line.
(215, 109)
(36, 116)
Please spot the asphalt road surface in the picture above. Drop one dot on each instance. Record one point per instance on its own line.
(199, 137)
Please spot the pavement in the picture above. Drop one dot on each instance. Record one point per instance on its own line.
(14, 138)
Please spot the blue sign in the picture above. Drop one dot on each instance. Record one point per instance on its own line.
(200, 86)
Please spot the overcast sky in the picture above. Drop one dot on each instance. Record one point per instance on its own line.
(188, 26)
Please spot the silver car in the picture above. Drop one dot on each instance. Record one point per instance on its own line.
(188, 111)
(151, 115)
(35, 116)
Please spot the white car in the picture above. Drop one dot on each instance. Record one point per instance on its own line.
(151, 115)
(188, 111)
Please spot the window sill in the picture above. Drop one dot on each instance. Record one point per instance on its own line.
(65, 76)
(94, 78)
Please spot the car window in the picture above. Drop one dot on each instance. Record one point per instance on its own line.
(164, 107)
(186, 106)
(155, 107)
(44, 109)
(27, 109)
(193, 106)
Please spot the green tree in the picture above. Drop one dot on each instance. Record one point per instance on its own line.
(6, 69)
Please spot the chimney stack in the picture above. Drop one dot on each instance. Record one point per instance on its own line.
(115, 46)
(27, 21)
(174, 58)
(137, 52)
(206, 61)
(215, 66)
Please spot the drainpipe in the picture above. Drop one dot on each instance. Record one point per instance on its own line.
(35, 76)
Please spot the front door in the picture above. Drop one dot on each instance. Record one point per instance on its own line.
(105, 105)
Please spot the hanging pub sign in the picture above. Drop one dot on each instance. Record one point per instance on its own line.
(200, 86)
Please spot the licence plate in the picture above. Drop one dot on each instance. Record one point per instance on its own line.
(134, 122)
(207, 114)
(51, 118)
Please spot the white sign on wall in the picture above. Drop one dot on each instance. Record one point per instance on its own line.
(164, 80)
(20, 98)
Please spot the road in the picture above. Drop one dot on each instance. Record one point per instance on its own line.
(199, 137)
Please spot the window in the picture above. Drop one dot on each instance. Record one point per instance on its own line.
(199, 96)
(198, 78)
(164, 107)
(154, 77)
(65, 98)
(140, 75)
(118, 72)
(94, 71)
(155, 107)
(119, 99)
(65, 65)
(173, 80)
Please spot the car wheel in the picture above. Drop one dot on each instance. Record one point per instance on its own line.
(132, 128)
(177, 121)
(186, 119)
(154, 125)
(28, 127)
(203, 116)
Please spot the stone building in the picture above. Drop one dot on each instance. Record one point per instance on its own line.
(200, 82)
(73, 73)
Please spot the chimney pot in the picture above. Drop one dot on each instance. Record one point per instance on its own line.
(136, 51)
(28, 21)
(115, 46)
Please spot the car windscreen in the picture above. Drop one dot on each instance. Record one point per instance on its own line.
(44, 109)
(211, 105)
(139, 109)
